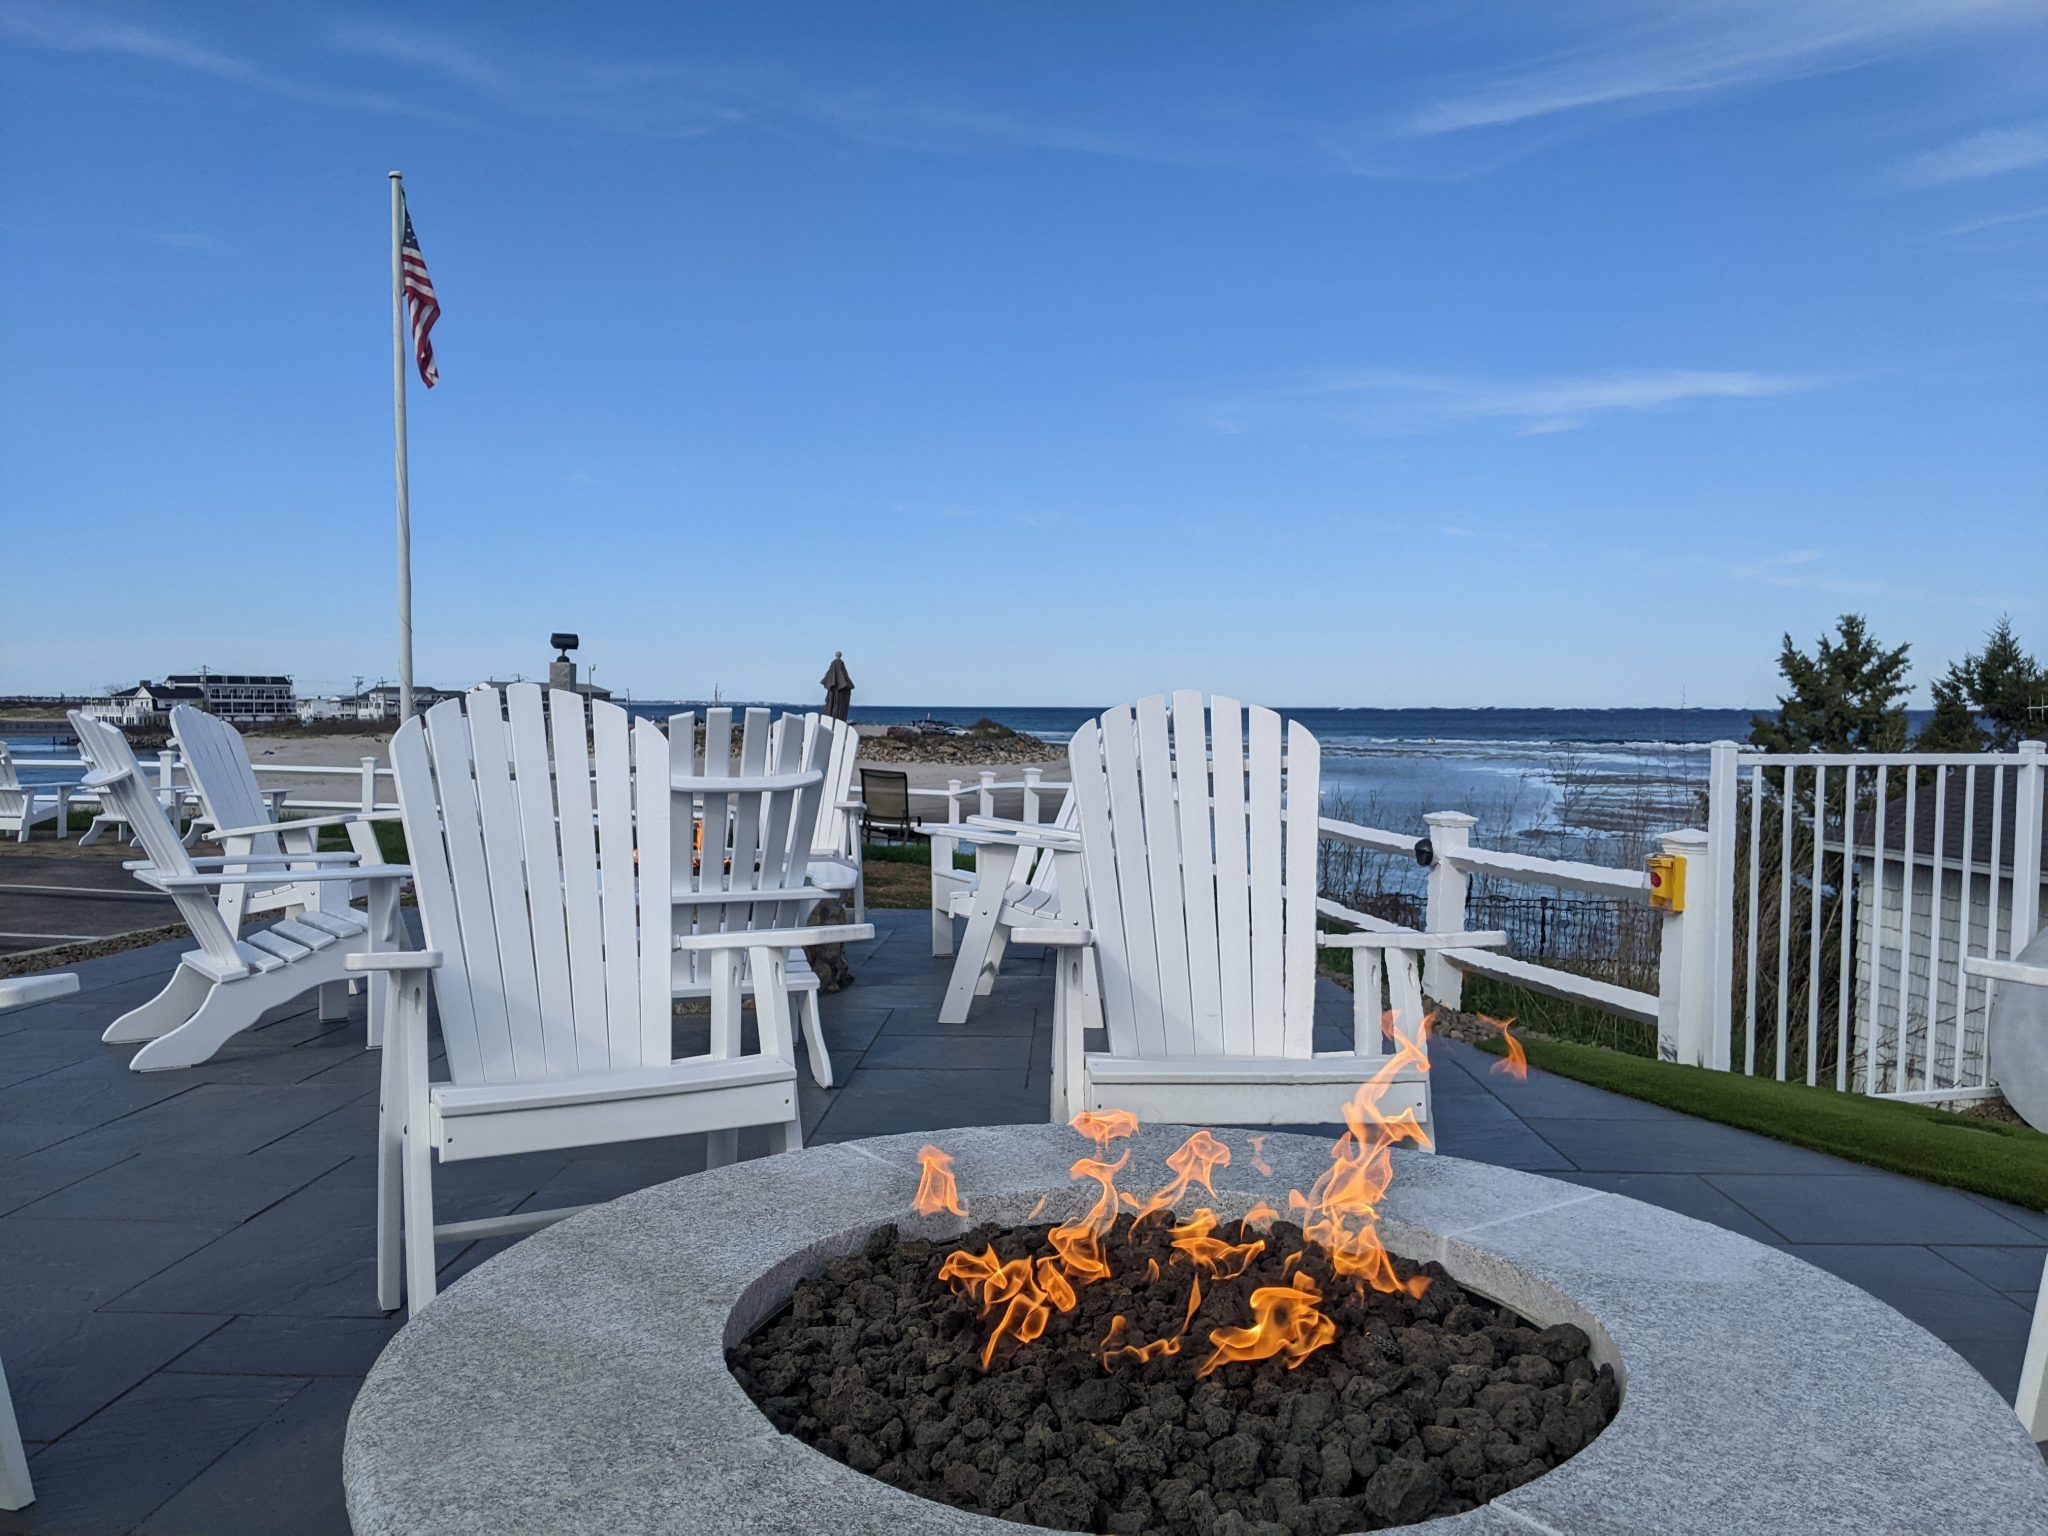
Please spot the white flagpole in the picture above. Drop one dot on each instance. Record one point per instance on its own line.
(398, 330)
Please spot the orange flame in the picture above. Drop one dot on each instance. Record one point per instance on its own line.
(1192, 1162)
(1341, 1210)
(1079, 1243)
(1104, 1126)
(1286, 1320)
(937, 1190)
(1027, 1293)
(1516, 1062)
(1261, 1213)
(1226, 1261)
(1259, 1155)
(1114, 1354)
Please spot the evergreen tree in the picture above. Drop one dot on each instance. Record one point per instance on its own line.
(1846, 697)
(1954, 727)
(1983, 700)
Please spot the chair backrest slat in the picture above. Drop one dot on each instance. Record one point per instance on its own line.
(652, 813)
(217, 761)
(533, 778)
(1202, 902)
(448, 737)
(434, 885)
(1262, 836)
(504, 846)
(1163, 872)
(1195, 804)
(1301, 830)
(616, 881)
(1233, 875)
(577, 813)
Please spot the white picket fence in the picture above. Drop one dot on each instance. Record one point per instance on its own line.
(1847, 889)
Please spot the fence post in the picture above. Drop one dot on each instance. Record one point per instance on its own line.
(369, 786)
(1449, 832)
(1723, 802)
(988, 791)
(953, 794)
(1685, 965)
(1031, 778)
(2026, 848)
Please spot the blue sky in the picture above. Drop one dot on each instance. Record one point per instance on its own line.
(1443, 352)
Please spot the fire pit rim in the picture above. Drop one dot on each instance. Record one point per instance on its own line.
(507, 1406)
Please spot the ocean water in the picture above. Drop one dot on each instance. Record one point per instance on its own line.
(1542, 776)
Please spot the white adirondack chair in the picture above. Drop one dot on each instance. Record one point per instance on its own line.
(837, 862)
(17, 1491)
(22, 809)
(1015, 883)
(239, 814)
(566, 903)
(227, 984)
(1199, 845)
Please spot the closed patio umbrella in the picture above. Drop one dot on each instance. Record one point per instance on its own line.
(838, 683)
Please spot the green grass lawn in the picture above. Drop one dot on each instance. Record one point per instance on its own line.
(2009, 1162)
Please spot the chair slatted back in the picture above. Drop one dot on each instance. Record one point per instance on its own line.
(126, 792)
(835, 832)
(758, 822)
(217, 762)
(520, 811)
(1203, 904)
(1039, 876)
(14, 801)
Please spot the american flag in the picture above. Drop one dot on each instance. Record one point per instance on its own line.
(425, 308)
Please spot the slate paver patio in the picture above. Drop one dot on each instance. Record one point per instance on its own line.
(186, 1300)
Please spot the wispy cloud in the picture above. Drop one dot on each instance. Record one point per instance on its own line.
(1677, 54)
(70, 32)
(421, 51)
(1995, 221)
(1991, 153)
(1392, 401)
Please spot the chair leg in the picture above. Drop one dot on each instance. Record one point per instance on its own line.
(721, 1148)
(420, 1284)
(814, 1040)
(16, 1490)
(992, 962)
(179, 1000)
(333, 1002)
(230, 1008)
(390, 1169)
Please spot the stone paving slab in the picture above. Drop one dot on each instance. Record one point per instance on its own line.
(270, 1273)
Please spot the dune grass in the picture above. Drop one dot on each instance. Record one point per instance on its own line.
(2008, 1162)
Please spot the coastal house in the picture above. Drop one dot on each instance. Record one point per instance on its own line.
(146, 703)
(1931, 891)
(242, 697)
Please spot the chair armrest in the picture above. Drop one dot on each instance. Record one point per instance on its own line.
(1042, 828)
(169, 883)
(336, 819)
(778, 938)
(221, 860)
(1015, 835)
(1054, 937)
(394, 960)
(851, 805)
(1490, 939)
(2006, 970)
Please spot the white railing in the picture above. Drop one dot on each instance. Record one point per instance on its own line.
(174, 780)
(984, 789)
(1849, 887)
(1677, 1008)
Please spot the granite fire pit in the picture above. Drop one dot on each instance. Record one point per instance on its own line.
(578, 1381)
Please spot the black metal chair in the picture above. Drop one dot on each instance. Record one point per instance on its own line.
(886, 794)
